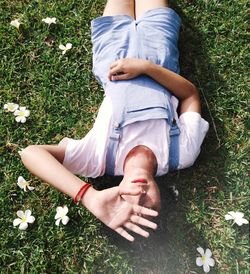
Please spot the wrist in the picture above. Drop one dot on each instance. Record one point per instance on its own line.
(89, 197)
(147, 66)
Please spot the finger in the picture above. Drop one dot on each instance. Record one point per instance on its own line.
(144, 211)
(135, 228)
(114, 64)
(113, 73)
(124, 234)
(115, 70)
(133, 192)
(142, 221)
(124, 76)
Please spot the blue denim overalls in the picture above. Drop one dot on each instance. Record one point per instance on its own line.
(153, 37)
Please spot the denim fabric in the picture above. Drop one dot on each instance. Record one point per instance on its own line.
(153, 37)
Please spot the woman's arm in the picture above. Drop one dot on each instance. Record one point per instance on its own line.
(183, 89)
(107, 205)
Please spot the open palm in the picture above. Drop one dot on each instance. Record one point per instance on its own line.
(109, 207)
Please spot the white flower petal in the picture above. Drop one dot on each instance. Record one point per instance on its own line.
(62, 47)
(239, 214)
(20, 214)
(23, 226)
(16, 113)
(31, 219)
(17, 222)
(211, 261)
(206, 268)
(65, 210)
(27, 113)
(238, 222)
(22, 108)
(20, 179)
(58, 221)
(49, 20)
(61, 212)
(18, 119)
(65, 220)
(30, 187)
(244, 221)
(228, 217)
(208, 253)
(233, 214)
(23, 120)
(21, 184)
(58, 215)
(200, 250)
(27, 213)
(15, 23)
(199, 261)
(68, 46)
(59, 208)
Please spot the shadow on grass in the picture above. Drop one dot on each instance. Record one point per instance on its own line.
(172, 248)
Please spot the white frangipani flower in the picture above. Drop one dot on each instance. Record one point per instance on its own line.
(15, 23)
(11, 107)
(65, 48)
(49, 20)
(21, 114)
(23, 184)
(24, 219)
(205, 260)
(61, 213)
(237, 217)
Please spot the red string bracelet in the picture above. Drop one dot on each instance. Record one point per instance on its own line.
(81, 192)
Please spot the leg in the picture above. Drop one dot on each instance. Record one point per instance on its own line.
(120, 7)
(141, 6)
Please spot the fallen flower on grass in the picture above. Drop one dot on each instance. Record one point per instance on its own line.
(11, 107)
(23, 184)
(65, 48)
(237, 217)
(24, 219)
(61, 215)
(21, 114)
(205, 260)
(49, 20)
(15, 23)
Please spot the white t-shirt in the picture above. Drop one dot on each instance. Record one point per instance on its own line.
(87, 157)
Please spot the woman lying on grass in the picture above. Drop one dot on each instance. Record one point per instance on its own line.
(137, 133)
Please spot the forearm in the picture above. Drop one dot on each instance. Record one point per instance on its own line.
(43, 164)
(183, 89)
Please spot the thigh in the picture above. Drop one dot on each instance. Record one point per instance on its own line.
(158, 31)
(141, 6)
(119, 7)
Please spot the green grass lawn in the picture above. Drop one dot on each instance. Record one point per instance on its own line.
(63, 97)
